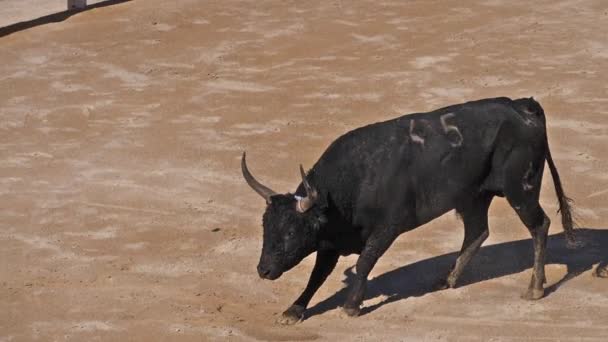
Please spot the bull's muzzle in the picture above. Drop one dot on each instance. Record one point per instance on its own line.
(267, 272)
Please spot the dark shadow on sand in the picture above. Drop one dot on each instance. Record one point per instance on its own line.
(53, 18)
(491, 262)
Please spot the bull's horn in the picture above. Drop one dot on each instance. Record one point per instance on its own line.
(311, 194)
(254, 184)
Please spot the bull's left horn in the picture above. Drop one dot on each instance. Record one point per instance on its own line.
(311, 194)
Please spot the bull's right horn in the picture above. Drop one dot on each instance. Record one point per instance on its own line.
(254, 184)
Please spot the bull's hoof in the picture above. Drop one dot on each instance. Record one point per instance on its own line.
(351, 312)
(441, 285)
(292, 315)
(601, 272)
(533, 294)
(444, 284)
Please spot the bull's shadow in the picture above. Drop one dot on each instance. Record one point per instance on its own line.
(490, 262)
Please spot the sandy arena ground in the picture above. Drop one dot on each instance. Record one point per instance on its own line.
(124, 216)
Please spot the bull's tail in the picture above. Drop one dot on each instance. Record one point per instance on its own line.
(565, 203)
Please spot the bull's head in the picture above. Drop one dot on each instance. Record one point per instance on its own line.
(291, 224)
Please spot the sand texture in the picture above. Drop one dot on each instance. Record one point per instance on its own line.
(124, 216)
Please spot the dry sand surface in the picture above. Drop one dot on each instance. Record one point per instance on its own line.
(124, 216)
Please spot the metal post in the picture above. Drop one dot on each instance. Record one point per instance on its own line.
(77, 4)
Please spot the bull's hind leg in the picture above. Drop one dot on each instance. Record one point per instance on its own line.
(538, 224)
(522, 189)
(602, 270)
(474, 214)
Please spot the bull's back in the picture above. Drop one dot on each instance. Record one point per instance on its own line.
(414, 168)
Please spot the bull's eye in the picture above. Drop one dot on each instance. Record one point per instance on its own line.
(289, 241)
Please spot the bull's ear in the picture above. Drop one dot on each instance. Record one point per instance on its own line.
(311, 194)
(319, 221)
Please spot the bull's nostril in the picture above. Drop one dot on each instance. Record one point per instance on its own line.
(263, 272)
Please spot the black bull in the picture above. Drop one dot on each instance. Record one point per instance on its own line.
(376, 182)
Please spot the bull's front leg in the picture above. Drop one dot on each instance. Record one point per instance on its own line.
(325, 263)
(375, 247)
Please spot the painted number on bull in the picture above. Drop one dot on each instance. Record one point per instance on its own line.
(447, 128)
(415, 137)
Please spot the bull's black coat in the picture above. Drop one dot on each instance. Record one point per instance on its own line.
(378, 181)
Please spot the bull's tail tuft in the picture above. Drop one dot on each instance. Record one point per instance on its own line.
(565, 203)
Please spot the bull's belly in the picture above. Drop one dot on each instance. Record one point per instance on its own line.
(429, 210)
(439, 198)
